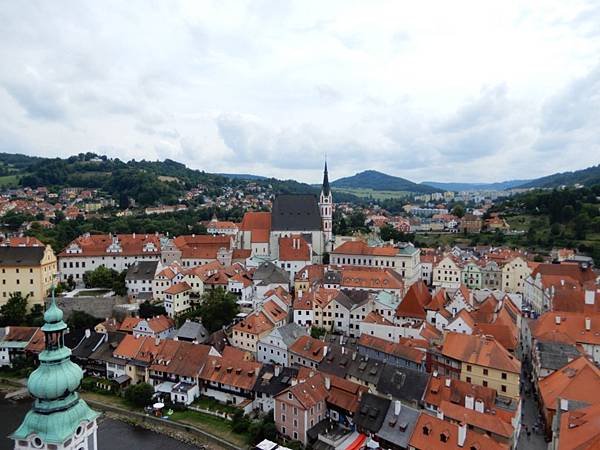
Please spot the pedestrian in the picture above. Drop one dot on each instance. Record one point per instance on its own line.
(528, 433)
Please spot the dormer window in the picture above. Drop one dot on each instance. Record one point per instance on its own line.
(426, 430)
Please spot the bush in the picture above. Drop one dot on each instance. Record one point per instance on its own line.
(139, 394)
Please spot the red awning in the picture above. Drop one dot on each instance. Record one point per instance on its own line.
(358, 442)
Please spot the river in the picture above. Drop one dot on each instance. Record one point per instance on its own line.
(112, 434)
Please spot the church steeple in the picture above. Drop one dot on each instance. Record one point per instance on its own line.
(58, 417)
(325, 188)
(326, 208)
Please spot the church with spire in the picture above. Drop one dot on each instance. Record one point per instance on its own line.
(59, 419)
(326, 209)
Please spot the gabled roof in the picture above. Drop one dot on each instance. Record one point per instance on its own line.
(345, 394)
(362, 248)
(578, 380)
(21, 256)
(128, 324)
(142, 270)
(441, 388)
(489, 423)
(256, 323)
(294, 248)
(402, 383)
(580, 429)
(269, 273)
(253, 221)
(129, 244)
(483, 351)
(308, 348)
(429, 430)
(274, 312)
(371, 412)
(572, 325)
(183, 358)
(565, 270)
(413, 303)
(308, 392)
(237, 373)
(177, 288)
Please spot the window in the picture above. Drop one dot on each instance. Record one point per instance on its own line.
(503, 376)
(485, 371)
(503, 388)
(485, 383)
(468, 379)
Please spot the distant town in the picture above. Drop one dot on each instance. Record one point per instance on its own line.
(307, 323)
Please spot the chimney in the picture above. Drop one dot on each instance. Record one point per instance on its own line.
(157, 341)
(564, 404)
(557, 320)
(462, 434)
(294, 381)
(562, 282)
(256, 370)
(479, 406)
(343, 350)
(469, 402)
(435, 374)
(590, 297)
(448, 382)
(88, 333)
(353, 356)
(397, 407)
(277, 369)
(588, 324)
(134, 235)
(327, 383)
(324, 351)
(440, 415)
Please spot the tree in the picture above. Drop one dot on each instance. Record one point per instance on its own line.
(100, 277)
(139, 394)
(14, 310)
(555, 229)
(219, 308)
(458, 210)
(35, 318)
(148, 310)
(317, 332)
(80, 320)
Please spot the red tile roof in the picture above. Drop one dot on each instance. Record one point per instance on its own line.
(177, 288)
(413, 303)
(578, 380)
(428, 432)
(231, 372)
(294, 248)
(98, 244)
(308, 348)
(580, 429)
(483, 351)
(362, 248)
(256, 323)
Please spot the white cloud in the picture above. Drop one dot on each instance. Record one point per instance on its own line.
(459, 91)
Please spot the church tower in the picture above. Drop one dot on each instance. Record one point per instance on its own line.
(58, 417)
(326, 207)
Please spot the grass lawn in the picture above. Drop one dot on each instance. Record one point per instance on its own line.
(213, 405)
(211, 424)
(9, 181)
(370, 193)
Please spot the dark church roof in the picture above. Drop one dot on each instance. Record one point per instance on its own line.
(325, 188)
(296, 212)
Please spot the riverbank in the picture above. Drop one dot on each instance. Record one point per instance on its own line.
(190, 431)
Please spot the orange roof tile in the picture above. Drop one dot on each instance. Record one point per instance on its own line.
(483, 351)
(256, 323)
(177, 288)
(308, 348)
(231, 372)
(578, 380)
(294, 248)
(362, 248)
(413, 303)
(428, 432)
(580, 429)
(131, 245)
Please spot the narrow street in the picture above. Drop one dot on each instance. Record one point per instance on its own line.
(530, 414)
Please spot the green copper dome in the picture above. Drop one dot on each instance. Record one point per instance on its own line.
(52, 381)
(58, 413)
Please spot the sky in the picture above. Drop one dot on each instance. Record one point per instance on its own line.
(441, 91)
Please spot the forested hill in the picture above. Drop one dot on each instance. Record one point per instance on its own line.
(378, 181)
(586, 177)
(147, 182)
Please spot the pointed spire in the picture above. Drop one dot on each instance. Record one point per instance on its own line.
(325, 189)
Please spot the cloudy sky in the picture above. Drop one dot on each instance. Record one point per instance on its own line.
(445, 91)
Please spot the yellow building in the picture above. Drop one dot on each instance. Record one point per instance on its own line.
(514, 274)
(484, 362)
(28, 270)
